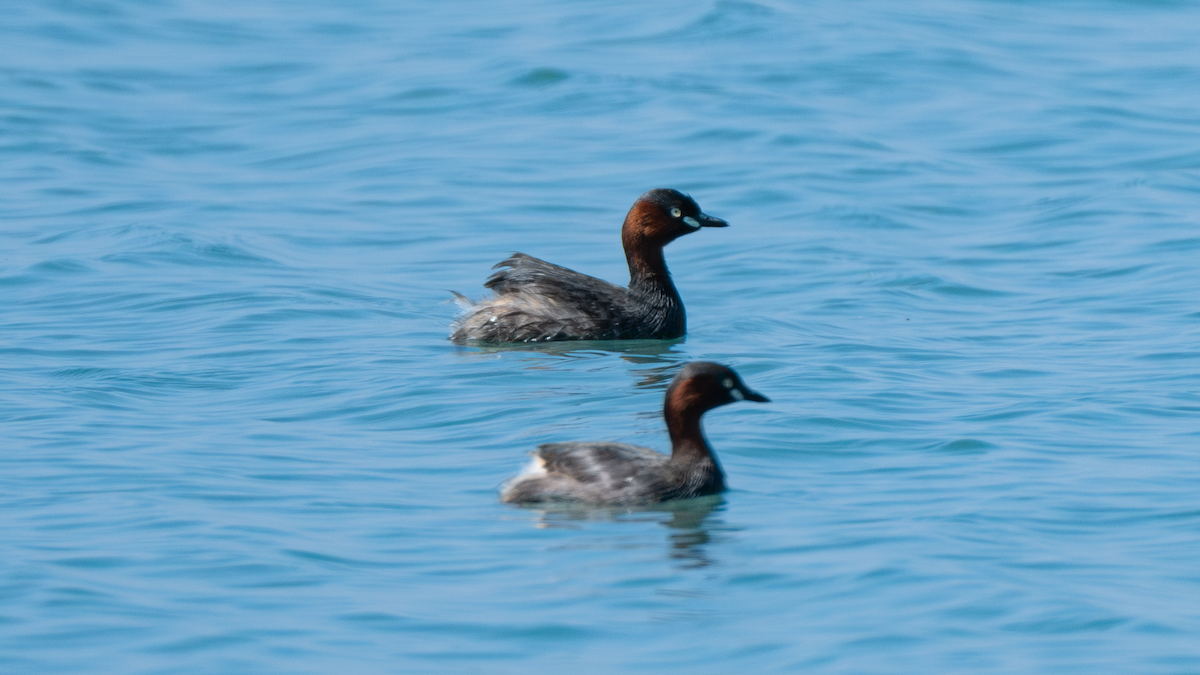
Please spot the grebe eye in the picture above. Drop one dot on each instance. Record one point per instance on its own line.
(728, 383)
(675, 212)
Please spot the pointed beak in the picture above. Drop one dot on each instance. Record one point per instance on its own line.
(752, 395)
(706, 220)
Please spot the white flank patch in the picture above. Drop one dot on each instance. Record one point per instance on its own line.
(536, 467)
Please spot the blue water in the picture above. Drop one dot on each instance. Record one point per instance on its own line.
(964, 263)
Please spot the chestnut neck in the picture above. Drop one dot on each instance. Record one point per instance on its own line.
(643, 243)
(683, 413)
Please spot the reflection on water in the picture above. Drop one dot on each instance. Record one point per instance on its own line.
(691, 522)
(663, 356)
(634, 351)
(656, 377)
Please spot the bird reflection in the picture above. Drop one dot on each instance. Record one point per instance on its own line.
(657, 377)
(690, 520)
(660, 355)
(634, 351)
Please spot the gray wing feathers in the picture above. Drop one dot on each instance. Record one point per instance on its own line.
(605, 463)
(539, 301)
(523, 273)
(597, 473)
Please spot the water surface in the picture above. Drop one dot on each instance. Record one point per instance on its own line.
(962, 262)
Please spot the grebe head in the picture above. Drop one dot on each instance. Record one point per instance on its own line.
(702, 386)
(662, 216)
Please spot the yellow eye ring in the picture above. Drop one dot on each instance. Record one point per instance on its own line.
(675, 212)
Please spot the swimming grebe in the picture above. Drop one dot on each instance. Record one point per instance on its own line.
(536, 301)
(620, 474)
